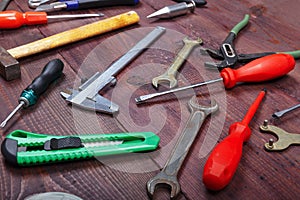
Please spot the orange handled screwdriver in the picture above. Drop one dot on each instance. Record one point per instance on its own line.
(224, 159)
(13, 19)
(261, 69)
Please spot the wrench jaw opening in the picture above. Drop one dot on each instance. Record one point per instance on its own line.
(161, 180)
(164, 78)
(194, 106)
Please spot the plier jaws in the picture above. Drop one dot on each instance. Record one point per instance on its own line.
(228, 55)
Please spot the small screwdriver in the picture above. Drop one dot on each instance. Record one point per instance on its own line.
(261, 69)
(39, 85)
(13, 19)
(225, 157)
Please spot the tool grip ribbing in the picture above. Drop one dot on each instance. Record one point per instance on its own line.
(50, 73)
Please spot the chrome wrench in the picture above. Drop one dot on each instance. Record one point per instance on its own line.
(168, 175)
(170, 74)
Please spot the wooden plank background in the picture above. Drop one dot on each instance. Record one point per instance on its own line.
(274, 26)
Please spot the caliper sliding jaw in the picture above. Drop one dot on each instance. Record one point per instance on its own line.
(87, 96)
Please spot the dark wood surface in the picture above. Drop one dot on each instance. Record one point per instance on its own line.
(274, 26)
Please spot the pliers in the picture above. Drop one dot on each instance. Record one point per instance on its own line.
(228, 54)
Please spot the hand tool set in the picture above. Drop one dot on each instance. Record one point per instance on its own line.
(285, 139)
(227, 52)
(9, 66)
(87, 96)
(24, 148)
(261, 69)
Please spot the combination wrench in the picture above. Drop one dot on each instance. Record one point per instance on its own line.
(168, 175)
(170, 74)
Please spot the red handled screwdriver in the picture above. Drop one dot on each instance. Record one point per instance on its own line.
(13, 19)
(224, 159)
(261, 69)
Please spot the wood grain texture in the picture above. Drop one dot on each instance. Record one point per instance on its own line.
(76, 34)
(273, 26)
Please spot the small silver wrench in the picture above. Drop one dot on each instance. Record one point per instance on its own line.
(168, 174)
(183, 54)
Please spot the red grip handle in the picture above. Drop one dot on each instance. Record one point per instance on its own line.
(261, 69)
(224, 159)
(14, 19)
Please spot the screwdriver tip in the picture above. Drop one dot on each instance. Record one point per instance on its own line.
(138, 100)
(2, 125)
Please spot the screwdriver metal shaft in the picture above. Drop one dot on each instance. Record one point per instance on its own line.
(262, 69)
(280, 113)
(150, 96)
(39, 85)
(74, 16)
(21, 104)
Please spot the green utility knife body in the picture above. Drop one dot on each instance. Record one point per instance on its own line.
(25, 148)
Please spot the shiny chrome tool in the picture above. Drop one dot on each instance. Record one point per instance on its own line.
(87, 96)
(170, 74)
(174, 10)
(285, 139)
(168, 175)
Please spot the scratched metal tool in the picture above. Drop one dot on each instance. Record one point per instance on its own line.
(285, 139)
(87, 96)
(168, 175)
(170, 74)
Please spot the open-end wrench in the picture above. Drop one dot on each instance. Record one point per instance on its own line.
(168, 175)
(170, 74)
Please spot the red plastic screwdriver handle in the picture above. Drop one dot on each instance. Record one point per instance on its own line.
(262, 69)
(14, 19)
(224, 159)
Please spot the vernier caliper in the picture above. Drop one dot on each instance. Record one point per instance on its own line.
(87, 96)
